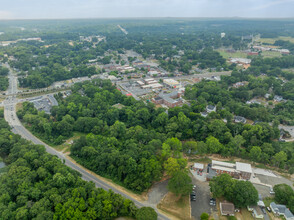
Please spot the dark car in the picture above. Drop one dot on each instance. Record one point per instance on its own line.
(263, 210)
(193, 196)
(212, 202)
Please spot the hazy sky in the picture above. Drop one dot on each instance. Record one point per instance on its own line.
(18, 9)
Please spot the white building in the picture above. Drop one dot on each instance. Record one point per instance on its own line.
(171, 83)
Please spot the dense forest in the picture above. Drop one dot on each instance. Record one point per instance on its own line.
(132, 144)
(3, 78)
(37, 185)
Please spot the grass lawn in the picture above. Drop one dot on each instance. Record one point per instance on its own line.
(179, 207)
(291, 39)
(267, 40)
(270, 54)
(227, 55)
(267, 201)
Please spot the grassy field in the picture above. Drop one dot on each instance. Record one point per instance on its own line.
(227, 55)
(272, 40)
(270, 54)
(178, 207)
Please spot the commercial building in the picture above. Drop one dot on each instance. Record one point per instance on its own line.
(237, 170)
(171, 83)
(171, 100)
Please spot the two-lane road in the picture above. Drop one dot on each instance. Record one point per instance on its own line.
(12, 119)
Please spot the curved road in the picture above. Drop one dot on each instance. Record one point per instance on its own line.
(17, 128)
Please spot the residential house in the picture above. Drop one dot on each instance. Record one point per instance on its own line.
(282, 210)
(210, 108)
(239, 119)
(227, 208)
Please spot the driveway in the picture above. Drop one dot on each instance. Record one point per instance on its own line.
(202, 199)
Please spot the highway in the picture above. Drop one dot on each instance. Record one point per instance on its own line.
(17, 128)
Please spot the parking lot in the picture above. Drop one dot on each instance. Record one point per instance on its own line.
(202, 199)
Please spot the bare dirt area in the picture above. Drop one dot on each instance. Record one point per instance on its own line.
(176, 206)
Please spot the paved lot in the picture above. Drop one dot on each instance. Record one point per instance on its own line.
(157, 192)
(264, 191)
(202, 199)
(274, 180)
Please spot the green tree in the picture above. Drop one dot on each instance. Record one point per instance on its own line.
(146, 213)
(171, 166)
(255, 153)
(180, 183)
(204, 216)
(244, 194)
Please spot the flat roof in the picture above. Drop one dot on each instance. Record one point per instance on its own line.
(220, 163)
(243, 167)
(198, 165)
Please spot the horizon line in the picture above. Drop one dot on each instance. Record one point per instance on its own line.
(166, 17)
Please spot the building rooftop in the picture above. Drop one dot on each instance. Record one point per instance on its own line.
(223, 164)
(227, 208)
(243, 167)
(282, 209)
(198, 166)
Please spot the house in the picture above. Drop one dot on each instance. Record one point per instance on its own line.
(239, 119)
(282, 210)
(256, 212)
(204, 114)
(227, 208)
(198, 166)
(210, 108)
(278, 98)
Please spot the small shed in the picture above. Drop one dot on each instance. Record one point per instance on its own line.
(198, 166)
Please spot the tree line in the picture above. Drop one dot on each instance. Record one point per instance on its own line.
(37, 185)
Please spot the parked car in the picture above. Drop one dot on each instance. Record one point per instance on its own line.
(212, 202)
(269, 209)
(194, 187)
(263, 210)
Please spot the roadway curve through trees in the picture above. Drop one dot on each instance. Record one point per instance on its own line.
(17, 128)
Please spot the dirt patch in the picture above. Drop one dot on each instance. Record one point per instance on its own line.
(176, 206)
(18, 106)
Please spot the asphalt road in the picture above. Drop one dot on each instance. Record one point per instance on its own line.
(17, 128)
